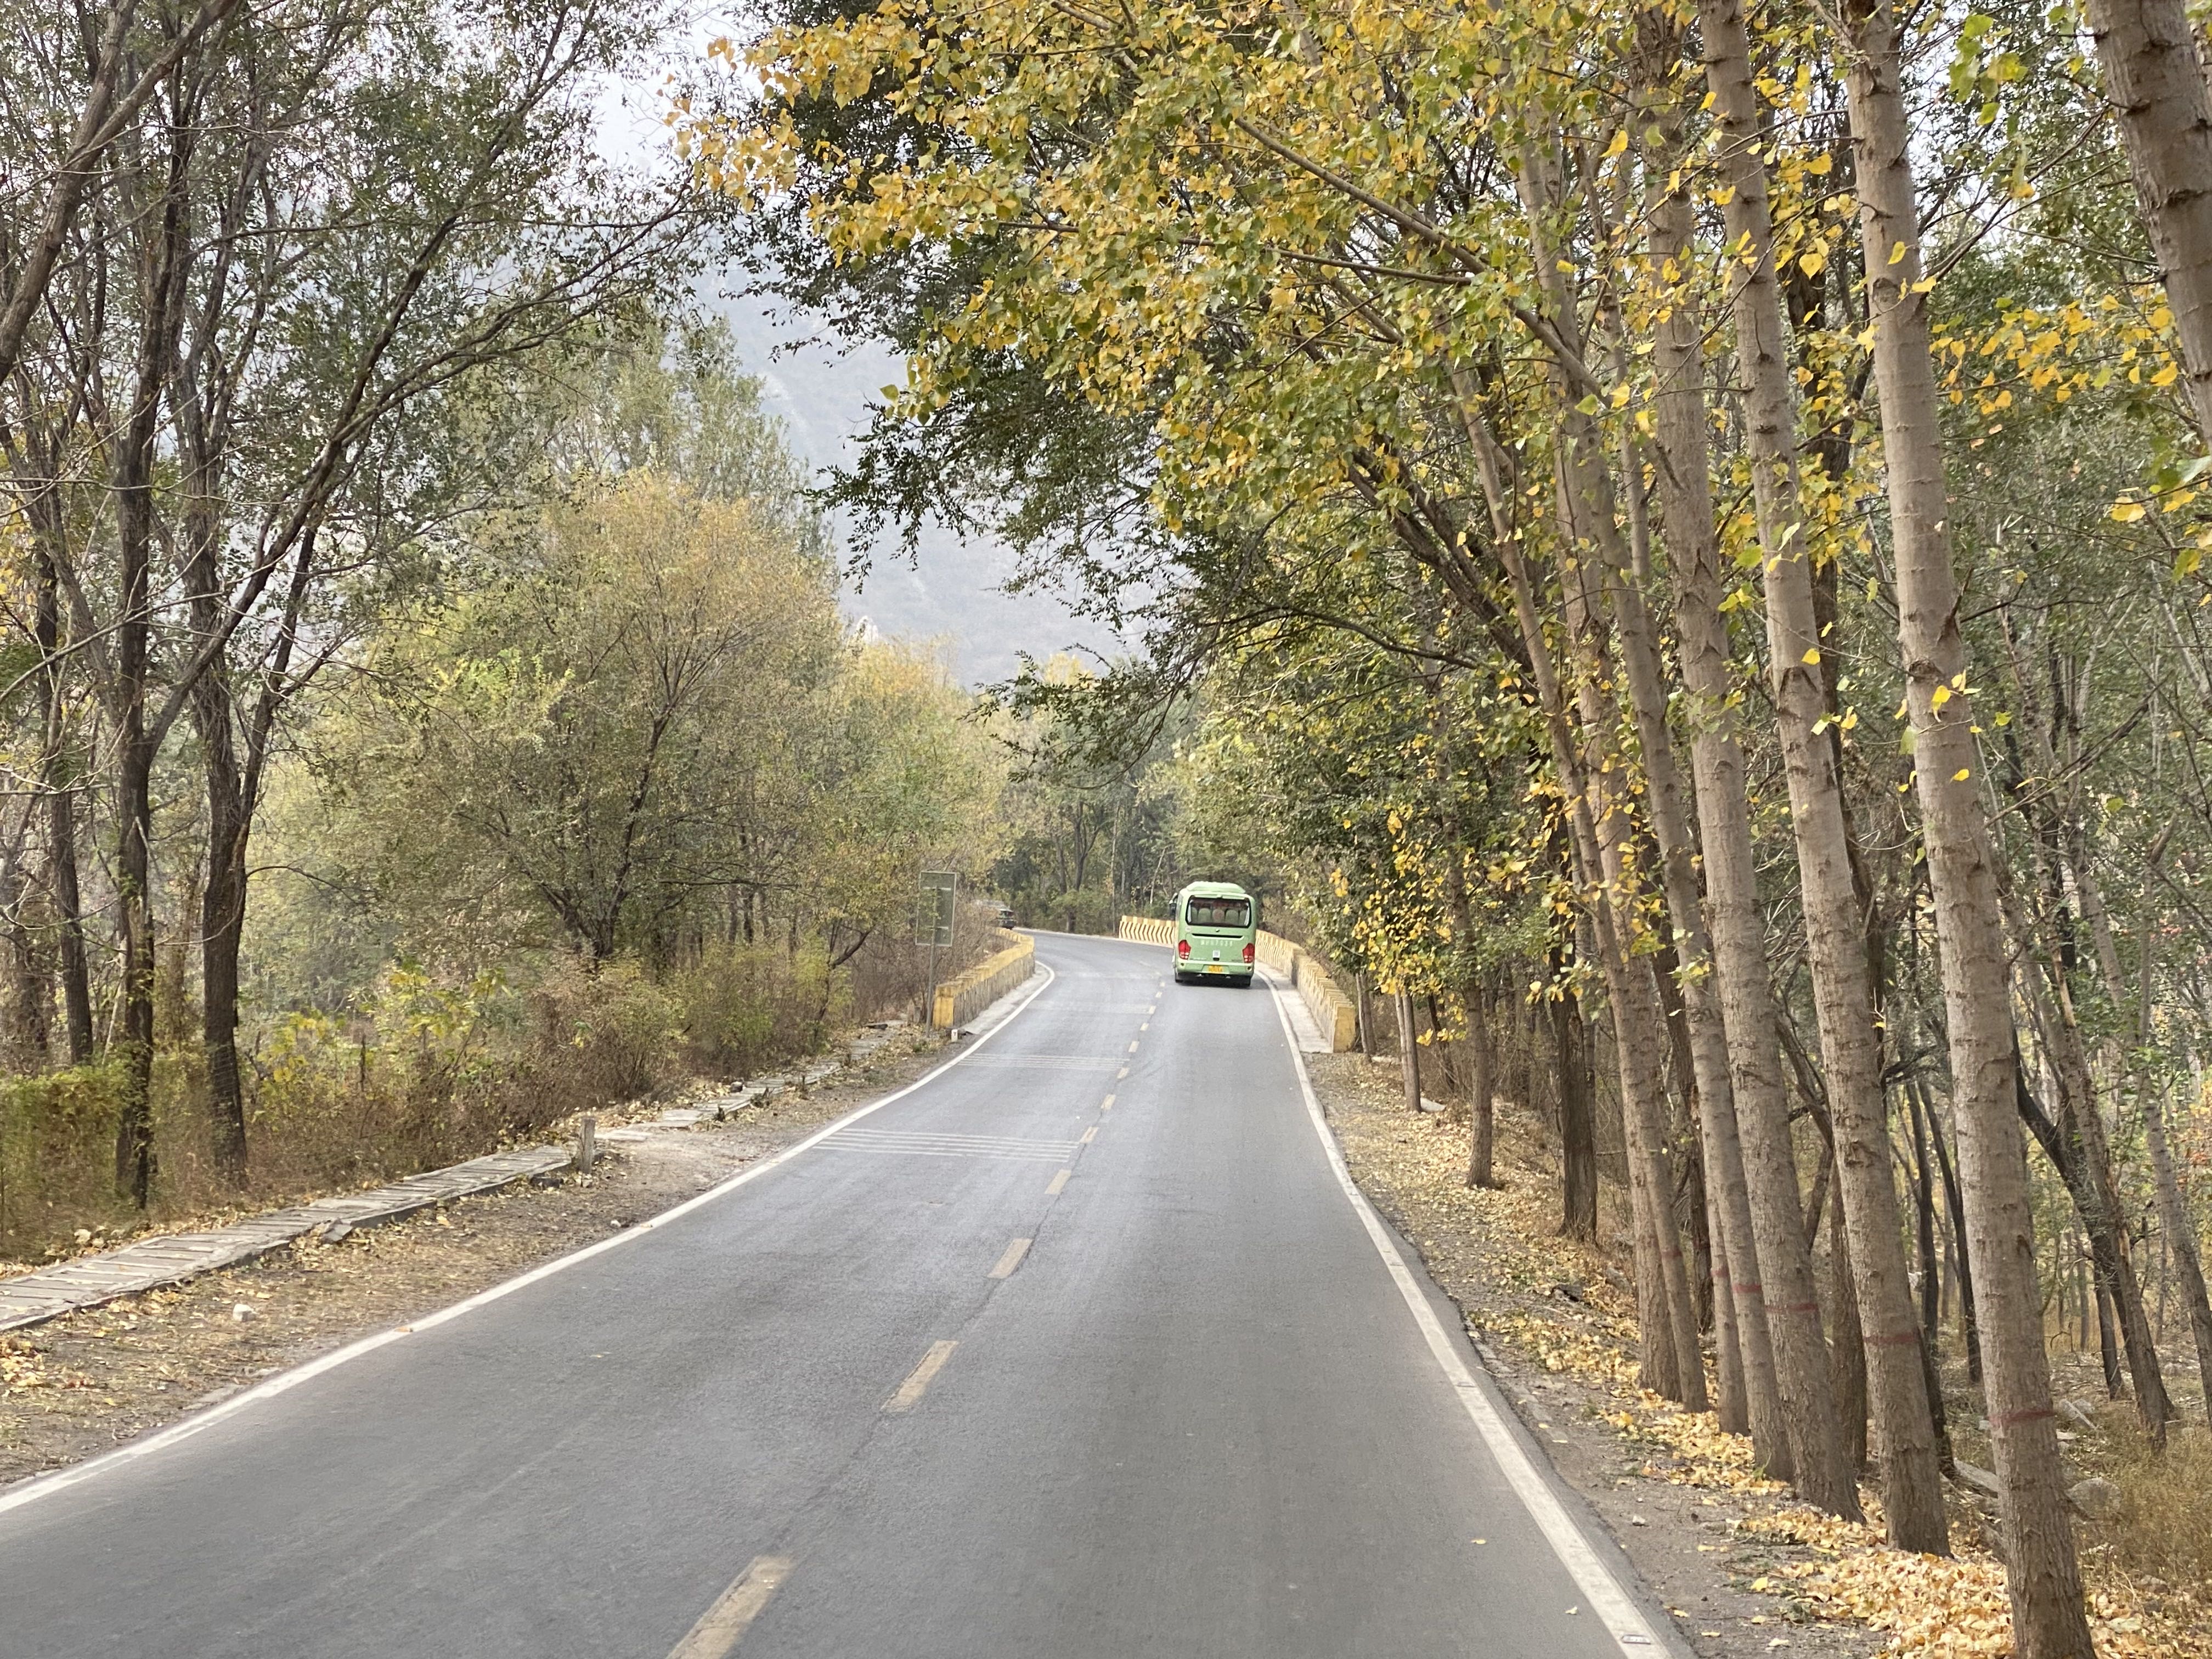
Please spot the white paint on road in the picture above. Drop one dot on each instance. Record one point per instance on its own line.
(918, 1379)
(30, 1490)
(918, 1145)
(1631, 1630)
(715, 1635)
(1011, 1259)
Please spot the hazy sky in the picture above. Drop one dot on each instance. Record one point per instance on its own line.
(951, 591)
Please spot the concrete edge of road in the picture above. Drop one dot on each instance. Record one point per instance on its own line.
(31, 1488)
(1608, 1582)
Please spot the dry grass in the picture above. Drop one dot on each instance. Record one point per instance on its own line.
(424, 1073)
(2161, 1535)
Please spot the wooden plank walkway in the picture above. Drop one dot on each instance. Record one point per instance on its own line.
(174, 1257)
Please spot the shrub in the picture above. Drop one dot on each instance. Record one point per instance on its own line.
(57, 1147)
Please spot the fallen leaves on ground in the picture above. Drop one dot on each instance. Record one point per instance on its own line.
(1575, 1321)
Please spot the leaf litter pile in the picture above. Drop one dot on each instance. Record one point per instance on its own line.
(1566, 1309)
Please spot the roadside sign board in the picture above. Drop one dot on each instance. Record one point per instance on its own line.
(940, 892)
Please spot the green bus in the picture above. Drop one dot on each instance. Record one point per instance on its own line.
(1217, 928)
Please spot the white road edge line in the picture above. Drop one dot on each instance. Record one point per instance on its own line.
(43, 1486)
(715, 1635)
(1631, 1632)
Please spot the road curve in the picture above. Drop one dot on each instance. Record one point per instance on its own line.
(914, 1392)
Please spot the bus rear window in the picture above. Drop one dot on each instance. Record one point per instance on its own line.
(1218, 913)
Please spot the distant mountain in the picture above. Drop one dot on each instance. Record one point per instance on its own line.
(953, 590)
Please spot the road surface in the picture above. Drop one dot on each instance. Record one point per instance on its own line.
(1000, 1369)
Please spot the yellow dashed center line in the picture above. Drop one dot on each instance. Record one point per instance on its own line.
(1090, 1135)
(1107, 1104)
(1133, 1045)
(918, 1379)
(1119, 1075)
(1058, 1181)
(716, 1633)
(1011, 1259)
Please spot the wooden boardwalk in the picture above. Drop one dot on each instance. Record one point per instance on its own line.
(172, 1257)
(49, 1292)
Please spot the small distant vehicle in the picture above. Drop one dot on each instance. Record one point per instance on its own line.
(1216, 933)
(1006, 916)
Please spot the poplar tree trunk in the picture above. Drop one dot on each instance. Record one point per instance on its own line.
(2180, 1237)
(1590, 559)
(1481, 1087)
(1639, 1022)
(2155, 79)
(1849, 1366)
(2074, 1139)
(57, 778)
(2103, 1216)
(1409, 1051)
(1843, 998)
(135, 745)
(1748, 1150)
(1670, 1342)
(2042, 1574)
(1834, 930)
(1931, 1280)
(2108, 1345)
(2180, 1230)
(1570, 1032)
(230, 823)
(1577, 1121)
(1970, 1334)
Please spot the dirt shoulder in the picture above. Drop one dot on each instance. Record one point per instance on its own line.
(1743, 1568)
(75, 1386)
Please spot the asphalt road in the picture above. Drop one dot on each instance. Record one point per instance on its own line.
(841, 1411)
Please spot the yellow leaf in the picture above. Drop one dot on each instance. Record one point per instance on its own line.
(1814, 262)
(2126, 512)
(1619, 145)
(1813, 655)
(1897, 254)
(1962, 774)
